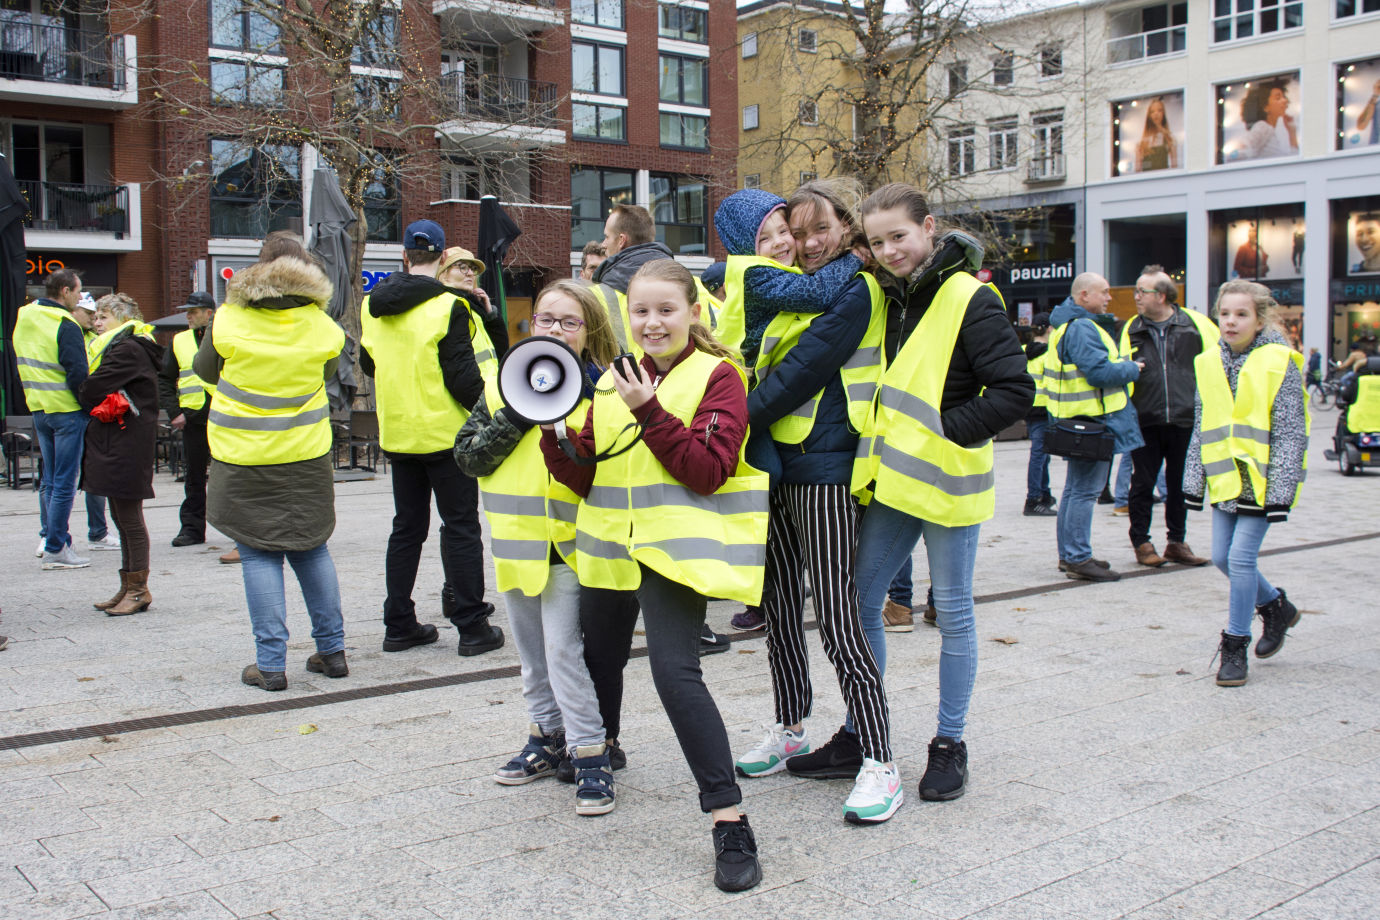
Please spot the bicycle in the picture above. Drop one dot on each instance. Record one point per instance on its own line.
(1322, 394)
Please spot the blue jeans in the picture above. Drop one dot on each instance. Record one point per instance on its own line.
(886, 541)
(96, 526)
(61, 436)
(1236, 540)
(1037, 470)
(263, 591)
(902, 587)
(1083, 481)
(1121, 492)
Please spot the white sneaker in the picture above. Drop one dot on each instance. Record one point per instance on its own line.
(109, 541)
(67, 559)
(876, 794)
(42, 542)
(770, 755)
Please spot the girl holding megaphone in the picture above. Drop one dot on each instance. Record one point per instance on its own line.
(532, 540)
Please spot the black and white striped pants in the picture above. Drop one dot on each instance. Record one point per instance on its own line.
(815, 526)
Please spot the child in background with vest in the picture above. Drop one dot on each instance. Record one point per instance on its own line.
(1251, 385)
(677, 515)
(531, 552)
(956, 376)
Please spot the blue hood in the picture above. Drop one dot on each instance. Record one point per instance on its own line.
(740, 216)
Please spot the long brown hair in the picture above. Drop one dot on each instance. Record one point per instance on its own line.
(838, 194)
(601, 345)
(282, 243)
(677, 274)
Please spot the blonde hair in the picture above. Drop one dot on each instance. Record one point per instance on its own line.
(1266, 307)
(677, 274)
(601, 345)
(121, 307)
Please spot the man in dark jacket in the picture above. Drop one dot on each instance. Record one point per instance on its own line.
(1166, 340)
(187, 402)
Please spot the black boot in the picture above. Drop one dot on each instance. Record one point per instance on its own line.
(479, 638)
(1277, 616)
(1232, 671)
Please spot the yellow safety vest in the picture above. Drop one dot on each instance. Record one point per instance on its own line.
(1364, 413)
(192, 391)
(1235, 429)
(637, 512)
(95, 349)
(270, 404)
(1035, 367)
(1068, 392)
(529, 511)
(36, 351)
(915, 468)
(1207, 331)
(417, 414)
(860, 373)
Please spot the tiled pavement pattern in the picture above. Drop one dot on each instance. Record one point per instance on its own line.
(1110, 777)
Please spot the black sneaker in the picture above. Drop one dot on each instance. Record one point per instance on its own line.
(946, 776)
(421, 634)
(711, 643)
(618, 759)
(1277, 616)
(478, 639)
(735, 856)
(1040, 508)
(841, 757)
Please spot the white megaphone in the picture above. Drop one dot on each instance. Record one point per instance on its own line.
(541, 380)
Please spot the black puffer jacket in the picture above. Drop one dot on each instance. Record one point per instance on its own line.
(1165, 389)
(987, 387)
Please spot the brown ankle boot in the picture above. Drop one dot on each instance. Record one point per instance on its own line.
(137, 596)
(119, 595)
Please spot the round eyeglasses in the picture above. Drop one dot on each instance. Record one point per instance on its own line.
(547, 321)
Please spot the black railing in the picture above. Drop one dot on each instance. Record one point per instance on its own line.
(495, 97)
(58, 54)
(84, 208)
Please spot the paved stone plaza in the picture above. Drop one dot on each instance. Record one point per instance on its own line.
(1109, 776)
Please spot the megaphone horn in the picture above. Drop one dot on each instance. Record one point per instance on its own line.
(541, 379)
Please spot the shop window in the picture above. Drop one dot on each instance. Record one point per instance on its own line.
(679, 208)
(593, 193)
(1133, 243)
(1147, 134)
(1264, 244)
(1358, 104)
(1233, 20)
(1258, 119)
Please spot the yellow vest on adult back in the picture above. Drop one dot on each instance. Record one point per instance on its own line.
(271, 404)
(1068, 392)
(36, 350)
(1364, 414)
(637, 512)
(1035, 367)
(417, 414)
(192, 391)
(529, 511)
(914, 467)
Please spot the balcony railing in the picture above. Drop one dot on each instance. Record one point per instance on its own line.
(1046, 169)
(503, 99)
(57, 54)
(81, 208)
(1155, 43)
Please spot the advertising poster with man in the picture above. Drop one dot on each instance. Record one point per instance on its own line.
(1265, 250)
(1358, 94)
(1363, 243)
(1148, 134)
(1259, 119)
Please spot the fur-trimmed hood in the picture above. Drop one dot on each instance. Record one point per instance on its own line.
(279, 285)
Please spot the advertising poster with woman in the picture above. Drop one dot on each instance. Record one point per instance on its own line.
(1147, 133)
(1358, 94)
(1258, 119)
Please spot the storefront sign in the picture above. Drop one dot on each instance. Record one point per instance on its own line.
(1041, 271)
(1285, 293)
(96, 269)
(373, 272)
(1352, 291)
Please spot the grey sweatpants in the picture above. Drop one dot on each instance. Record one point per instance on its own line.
(555, 681)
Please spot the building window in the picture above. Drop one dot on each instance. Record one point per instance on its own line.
(808, 112)
(254, 190)
(1004, 69)
(1047, 155)
(597, 69)
(750, 43)
(600, 122)
(380, 97)
(470, 180)
(235, 25)
(683, 22)
(246, 83)
(684, 80)
(807, 40)
(753, 180)
(605, 13)
(958, 77)
(377, 44)
(382, 203)
(1051, 61)
(1149, 31)
(962, 151)
(1002, 143)
(679, 130)
(1248, 18)
(679, 208)
(1348, 8)
(593, 193)
(749, 117)
(807, 176)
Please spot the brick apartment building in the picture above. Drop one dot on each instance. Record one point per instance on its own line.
(561, 110)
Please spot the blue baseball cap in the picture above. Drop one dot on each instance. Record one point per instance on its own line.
(424, 234)
(713, 277)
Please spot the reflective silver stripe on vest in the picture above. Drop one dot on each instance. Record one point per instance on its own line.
(913, 407)
(520, 550)
(600, 549)
(769, 344)
(1213, 435)
(565, 547)
(864, 357)
(564, 511)
(1218, 467)
(805, 410)
(272, 423)
(607, 497)
(42, 385)
(1059, 373)
(663, 494)
(41, 365)
(701, 548)
(1251, 433)
(268, 403)
(1076, 396)
(527, 505)
(615, 313)
(182, 375)
(864, 447)
(924, 471)
(189, 390)
(861, 392)
(481, 356)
